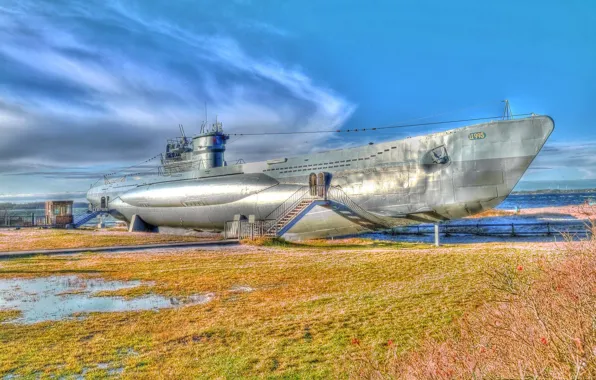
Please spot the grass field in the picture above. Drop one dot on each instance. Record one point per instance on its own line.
(313, 309)
(30, 239)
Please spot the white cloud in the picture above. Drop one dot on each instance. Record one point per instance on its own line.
(570, 160)
(143, 89)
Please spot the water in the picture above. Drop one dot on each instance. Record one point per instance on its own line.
(544, 200)
(61, 297)
(577, 184)
(498, 228)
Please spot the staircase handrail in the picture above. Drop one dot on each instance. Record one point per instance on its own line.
(88, 216)
(289, 204)
(275, 216)
(338, 195)
(333, 193)
(84, 219)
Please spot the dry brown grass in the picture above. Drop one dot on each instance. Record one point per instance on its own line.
(6, 315)
(577, 211)
(327, 243)
(30, 239)
(312, 309)
(492, 213)
(540, 324)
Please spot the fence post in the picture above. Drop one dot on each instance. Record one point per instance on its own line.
(512, 230)
(548, 229)
(437, 242)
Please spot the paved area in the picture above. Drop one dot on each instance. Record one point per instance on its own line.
(143, 247)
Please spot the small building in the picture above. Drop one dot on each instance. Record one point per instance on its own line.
(59, 213)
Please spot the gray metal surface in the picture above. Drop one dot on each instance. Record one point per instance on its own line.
(441, 176)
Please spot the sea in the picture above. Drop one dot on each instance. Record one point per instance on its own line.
(540, 200)
(532, 227)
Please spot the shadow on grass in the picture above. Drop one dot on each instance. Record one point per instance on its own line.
(354, 243)
(50, 272)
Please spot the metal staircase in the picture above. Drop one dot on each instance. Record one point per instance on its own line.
(290, 216)
(293, 209)
(286, 215)
(87, 217)
(342, 203)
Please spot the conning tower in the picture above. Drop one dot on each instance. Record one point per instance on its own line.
(209, 147)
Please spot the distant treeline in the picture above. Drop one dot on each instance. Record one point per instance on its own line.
(33, 205)
(555, 191)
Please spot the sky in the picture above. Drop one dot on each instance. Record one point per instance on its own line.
(90, 87)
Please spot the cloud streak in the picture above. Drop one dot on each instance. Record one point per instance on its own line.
(91, 85)
(569, 159)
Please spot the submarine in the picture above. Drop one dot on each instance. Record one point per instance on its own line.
(425, 179)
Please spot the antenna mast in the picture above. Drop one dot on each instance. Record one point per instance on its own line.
(507, 114)
(204, 123)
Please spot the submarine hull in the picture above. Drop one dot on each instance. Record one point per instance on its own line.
(436, 177)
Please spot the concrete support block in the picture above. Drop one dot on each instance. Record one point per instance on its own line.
(139, 225)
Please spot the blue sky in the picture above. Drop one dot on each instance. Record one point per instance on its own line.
(89, 86)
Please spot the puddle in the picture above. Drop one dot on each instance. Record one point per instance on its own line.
(116, 371)
(57, 298)
(110, 370)
(241, 289)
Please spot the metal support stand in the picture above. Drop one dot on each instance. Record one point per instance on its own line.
(437, 242)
